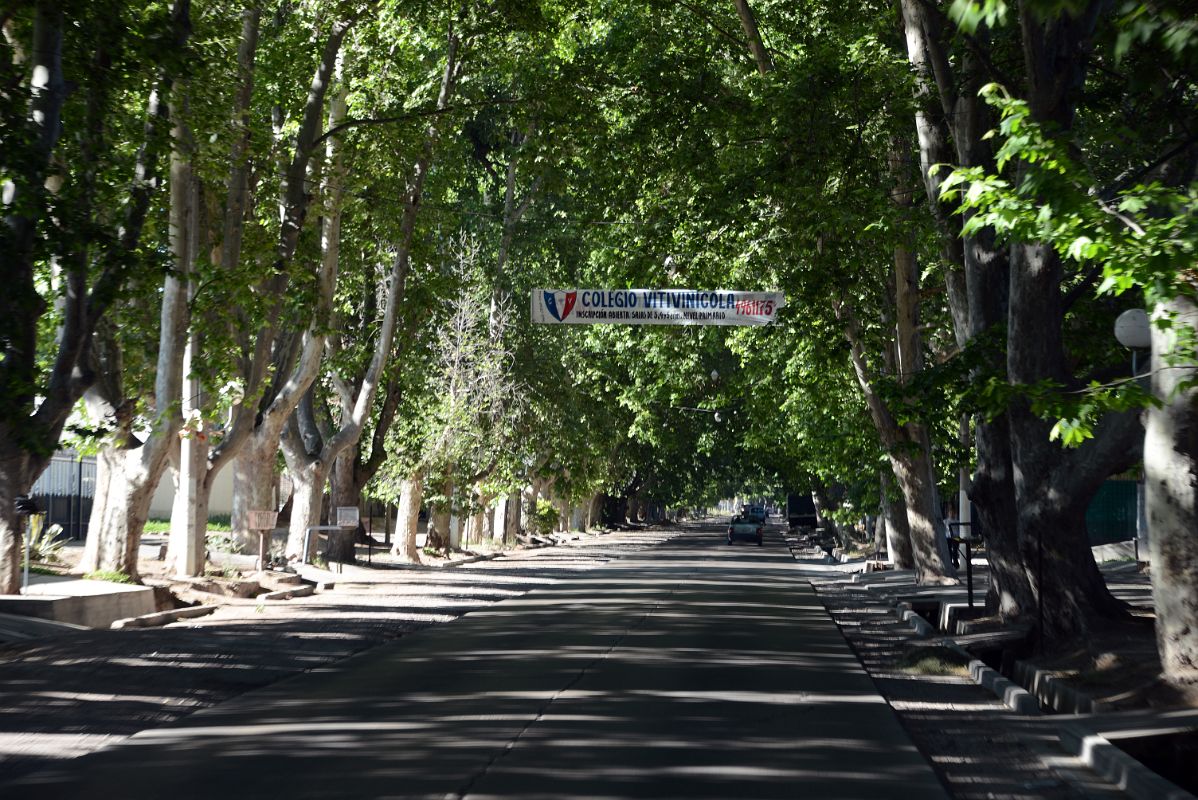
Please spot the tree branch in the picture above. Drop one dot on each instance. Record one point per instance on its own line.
(428, 112)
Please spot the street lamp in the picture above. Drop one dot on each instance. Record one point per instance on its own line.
(1134, 331)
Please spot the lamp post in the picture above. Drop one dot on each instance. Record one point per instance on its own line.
(1134, 331)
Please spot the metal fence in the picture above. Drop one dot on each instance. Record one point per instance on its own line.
(65, 490)
(1111, 516)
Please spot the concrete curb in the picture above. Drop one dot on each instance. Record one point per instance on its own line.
(287, 594)
(476, 559)
(163, 617)
(1013, 696)
(1053, 692)
(1076, 738)
(907, 614)
(1135, 779)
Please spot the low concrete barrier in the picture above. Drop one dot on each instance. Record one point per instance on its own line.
(93, 604)
(163, 617)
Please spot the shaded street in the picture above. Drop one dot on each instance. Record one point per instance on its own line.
(692, 669)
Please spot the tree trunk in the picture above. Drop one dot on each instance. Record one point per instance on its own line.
(928, 544)
(346, 484)
(1171, 494)
(189, 513)
(511, 519)
(907, 448)
(124, 489)
(307, 481)
(407, 519)
(898, 535)
(984, 304)
(254, 488)
(17, 475)
(748, 22)
(594, 509)
(992, 491)
(126, 477)
(439, 518)
(1050, 484)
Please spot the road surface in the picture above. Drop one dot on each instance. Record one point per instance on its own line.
(691, 670)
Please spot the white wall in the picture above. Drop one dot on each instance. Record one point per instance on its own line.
(221, 502)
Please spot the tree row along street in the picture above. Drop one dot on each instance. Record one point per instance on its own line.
(295, 242)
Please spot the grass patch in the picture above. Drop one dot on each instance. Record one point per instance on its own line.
(218, 523)
(934, 661)
(110, 575)
(38, 569)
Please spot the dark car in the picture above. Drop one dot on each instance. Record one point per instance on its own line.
(755, 514)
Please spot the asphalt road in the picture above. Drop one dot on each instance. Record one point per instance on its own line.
(691, 670)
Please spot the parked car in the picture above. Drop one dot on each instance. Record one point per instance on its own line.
(745, 528)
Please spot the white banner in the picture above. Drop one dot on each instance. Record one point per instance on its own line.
(654, 307)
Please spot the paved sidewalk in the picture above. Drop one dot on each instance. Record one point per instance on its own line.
(689, 670)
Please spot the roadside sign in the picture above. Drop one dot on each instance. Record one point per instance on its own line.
(262, 520)
(653, 307)
(347, 516)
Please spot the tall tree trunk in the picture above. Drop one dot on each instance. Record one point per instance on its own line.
(992, 488)
(1171, 492)
(197, 473)
(511, 519)
(1052, 486)
(346, 483)
(307, 480)
(407, 519)
(33, 411)
(265, 421)
(254, 486)
(983, 306)
(439, 518)
(357, 408)
(128, 473)
(898, 535)
(907, 450)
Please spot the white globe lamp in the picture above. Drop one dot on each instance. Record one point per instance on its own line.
(1133, 330)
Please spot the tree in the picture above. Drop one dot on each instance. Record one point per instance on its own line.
(1123, 215)
(67, 257)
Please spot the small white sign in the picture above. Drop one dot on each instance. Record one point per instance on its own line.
(347, 516)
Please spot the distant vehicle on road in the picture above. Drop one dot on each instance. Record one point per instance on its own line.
(800, 512)
(745, 528)
(754, 513)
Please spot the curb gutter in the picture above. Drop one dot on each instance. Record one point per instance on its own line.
(1014, 696)
(298, 591)
(1097, 752)
(1076, 737)
(163, 617)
